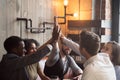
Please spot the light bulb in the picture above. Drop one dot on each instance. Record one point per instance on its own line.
(75, 15)
(65, 2)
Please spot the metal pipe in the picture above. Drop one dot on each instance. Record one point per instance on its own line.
(24, 19)
(93, 9)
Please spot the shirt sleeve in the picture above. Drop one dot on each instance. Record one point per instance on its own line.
(20, 62)
(75, 68)
(54, 56)
(73, 45)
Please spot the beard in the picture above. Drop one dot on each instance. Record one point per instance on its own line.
(65, 51)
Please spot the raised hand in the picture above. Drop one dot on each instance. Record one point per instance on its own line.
(56, 33)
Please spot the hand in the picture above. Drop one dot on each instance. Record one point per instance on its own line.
(45, 78)
(77, 77)
(56, 33)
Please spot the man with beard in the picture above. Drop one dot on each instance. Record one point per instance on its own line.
(60, 64)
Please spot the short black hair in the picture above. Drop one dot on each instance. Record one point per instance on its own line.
(90, 41)
(12, 42)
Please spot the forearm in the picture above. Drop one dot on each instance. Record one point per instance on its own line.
(30, 59)
(75, 68)
(42, 75)
(54, 56)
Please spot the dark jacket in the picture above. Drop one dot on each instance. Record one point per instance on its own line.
(12, 67)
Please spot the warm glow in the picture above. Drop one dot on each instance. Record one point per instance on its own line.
(85, 15)
(65, 2)
(75, 14)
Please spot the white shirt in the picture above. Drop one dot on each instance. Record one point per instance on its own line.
(98, 67)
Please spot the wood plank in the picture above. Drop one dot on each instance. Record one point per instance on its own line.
(80, 24)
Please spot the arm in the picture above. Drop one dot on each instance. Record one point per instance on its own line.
(54, 56)
(75, 68)
(41, 74)
(20, 62)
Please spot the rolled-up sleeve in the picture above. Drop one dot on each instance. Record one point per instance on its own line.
(71, 44)
(20, 62)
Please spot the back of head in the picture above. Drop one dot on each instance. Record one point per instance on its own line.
(90, 41)
(12, 42)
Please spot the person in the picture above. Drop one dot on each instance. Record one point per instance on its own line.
(34, 71)
(113, 49)
(97, 65)
(12, 65)
(60, 64)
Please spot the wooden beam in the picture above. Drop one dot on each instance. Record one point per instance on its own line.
(80, 24)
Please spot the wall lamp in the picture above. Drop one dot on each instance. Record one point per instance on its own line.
(65, 13)
(34, 30)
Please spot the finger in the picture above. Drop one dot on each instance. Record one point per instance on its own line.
(59, 30)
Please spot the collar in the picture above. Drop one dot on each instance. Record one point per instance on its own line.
(99, 56)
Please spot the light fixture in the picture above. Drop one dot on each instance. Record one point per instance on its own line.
(75, 14)
(65, 2)
(65, 13)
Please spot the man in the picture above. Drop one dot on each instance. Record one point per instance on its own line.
(98, 65)
(12, 65)
(60, 64)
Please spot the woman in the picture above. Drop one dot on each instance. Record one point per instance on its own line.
(113, 49)
(33, 70)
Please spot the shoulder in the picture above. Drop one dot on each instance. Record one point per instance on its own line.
(89, 73)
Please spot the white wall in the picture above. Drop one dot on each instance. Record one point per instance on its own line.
(37, 10)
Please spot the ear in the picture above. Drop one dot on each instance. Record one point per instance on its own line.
(87, 55)
(14, 50)
(84, 50)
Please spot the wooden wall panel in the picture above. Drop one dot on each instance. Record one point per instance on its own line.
(12, 28)
(38, 10)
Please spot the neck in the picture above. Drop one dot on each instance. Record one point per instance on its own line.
(62, 54)
(87, 55)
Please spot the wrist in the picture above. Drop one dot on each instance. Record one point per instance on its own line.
(50, 47)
